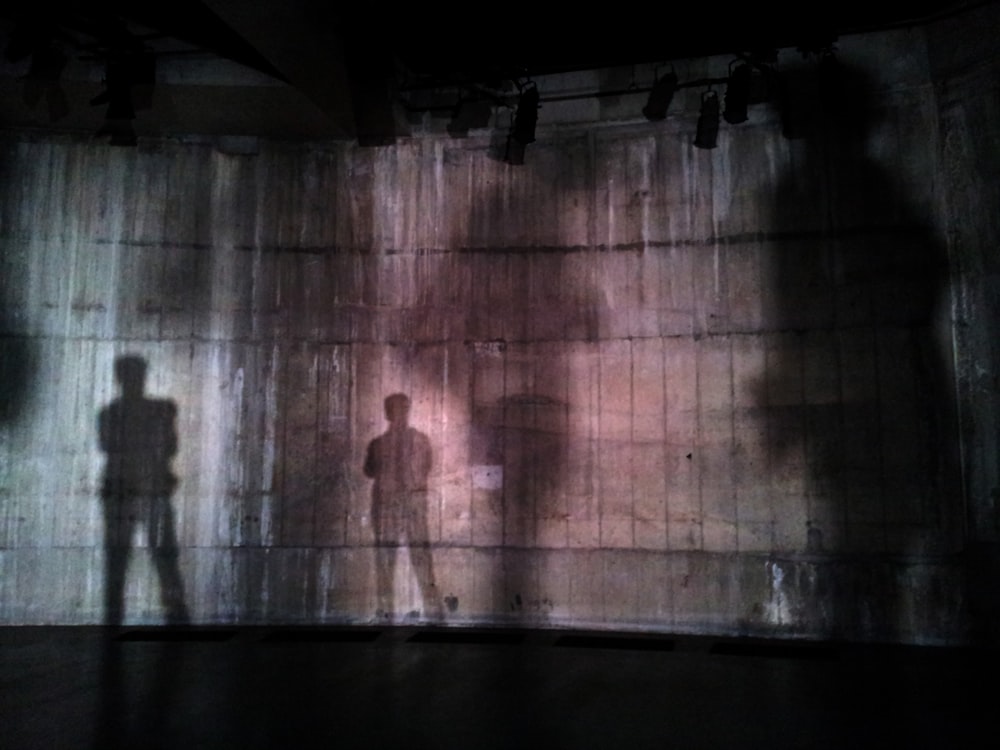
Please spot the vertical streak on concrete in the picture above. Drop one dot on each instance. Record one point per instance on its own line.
(668, 454)
(842, 534)
(733, 455)
(271, 504)
(699, 443)
(879, 394)
(632, 442)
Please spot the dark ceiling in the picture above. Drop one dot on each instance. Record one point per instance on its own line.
(346, 64)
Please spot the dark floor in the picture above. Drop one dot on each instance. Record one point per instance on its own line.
(418, 688)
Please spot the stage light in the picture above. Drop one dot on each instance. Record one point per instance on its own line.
(737, 94)
(660, 97)
(708, 121)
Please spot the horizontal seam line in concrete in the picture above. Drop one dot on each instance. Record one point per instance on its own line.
(732, 239)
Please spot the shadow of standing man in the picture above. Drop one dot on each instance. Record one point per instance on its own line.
(139, 438)
(399, 461)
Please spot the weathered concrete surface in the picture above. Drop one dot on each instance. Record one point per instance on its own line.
(663, 388)
(963, 61)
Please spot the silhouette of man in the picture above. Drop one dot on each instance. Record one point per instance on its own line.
(399, 461)
(138, 436)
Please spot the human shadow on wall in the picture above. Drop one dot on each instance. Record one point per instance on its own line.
(856, 390)
(400, 461)
(517, 448)
(533, 328)
(139, 438)
(524, 435)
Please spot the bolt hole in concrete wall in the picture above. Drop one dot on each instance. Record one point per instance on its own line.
(655, 387)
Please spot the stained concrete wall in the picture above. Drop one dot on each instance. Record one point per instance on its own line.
(964, 63)
(662, 388)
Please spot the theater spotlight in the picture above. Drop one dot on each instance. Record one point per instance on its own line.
(737, 94)
(526, 116)
(660, 97)
(708, 121)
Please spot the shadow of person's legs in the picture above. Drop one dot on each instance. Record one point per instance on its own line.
(163, 546)
(117, 552)
(385, 573)
(421, 558)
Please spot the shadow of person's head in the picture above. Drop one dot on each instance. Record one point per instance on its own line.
(130, 372)
(397, 409)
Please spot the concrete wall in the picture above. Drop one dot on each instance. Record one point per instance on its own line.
(663, 388)
(964, 62)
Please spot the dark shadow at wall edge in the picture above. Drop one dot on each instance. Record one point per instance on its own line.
(17, 365)
(17, 355)
(859, 282)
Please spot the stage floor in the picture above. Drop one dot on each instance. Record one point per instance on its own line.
(423, 688)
